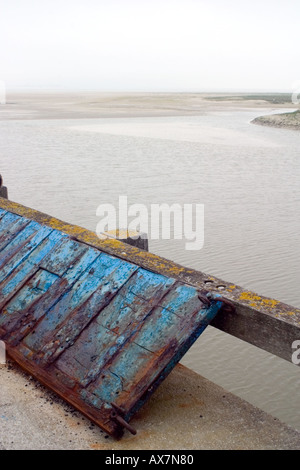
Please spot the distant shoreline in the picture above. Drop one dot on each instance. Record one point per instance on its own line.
(31, 106)
(282, 121)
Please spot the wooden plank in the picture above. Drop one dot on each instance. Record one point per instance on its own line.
(10, 225)
(21, 247)
(31, 291)
(81, 292)
(64, 257)
(28, 267)
(162, 337)
(2, 213)
(119, 320)
(130, 366)
(144, 291)
(108, 277)
(33, 314)
(93, 348)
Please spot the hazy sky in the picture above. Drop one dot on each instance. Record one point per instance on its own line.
(150, 45)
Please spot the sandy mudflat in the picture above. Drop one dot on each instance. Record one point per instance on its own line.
(101, 105)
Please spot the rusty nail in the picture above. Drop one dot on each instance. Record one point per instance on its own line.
(202, 297)
(122, 422)
(118, 408)
(230, 306)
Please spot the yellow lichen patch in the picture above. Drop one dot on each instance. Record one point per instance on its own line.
(269, 303)
(257, 301)
(230, 288)
(250, 296)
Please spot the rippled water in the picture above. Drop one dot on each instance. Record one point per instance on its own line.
(247, 177)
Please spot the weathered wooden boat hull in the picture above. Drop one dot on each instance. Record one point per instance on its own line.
(99, 330)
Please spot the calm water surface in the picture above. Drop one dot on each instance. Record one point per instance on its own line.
(247, 177)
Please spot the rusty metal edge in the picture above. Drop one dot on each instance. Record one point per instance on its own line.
(62, 391)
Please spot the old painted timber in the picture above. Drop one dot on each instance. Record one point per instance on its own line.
(99, 330)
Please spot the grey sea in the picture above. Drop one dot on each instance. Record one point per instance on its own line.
(246, 176)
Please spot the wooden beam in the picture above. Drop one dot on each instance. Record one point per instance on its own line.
(131, 237)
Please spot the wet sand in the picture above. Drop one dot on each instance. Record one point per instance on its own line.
(107, 105)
